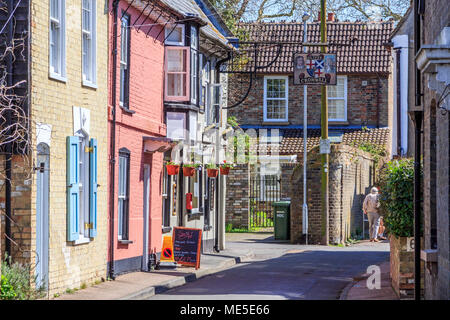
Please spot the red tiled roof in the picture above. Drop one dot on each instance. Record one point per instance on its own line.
(358, 45)
(292, 139)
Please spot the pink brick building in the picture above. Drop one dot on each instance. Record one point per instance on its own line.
(136, 132)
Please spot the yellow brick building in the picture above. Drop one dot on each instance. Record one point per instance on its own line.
(68, 98)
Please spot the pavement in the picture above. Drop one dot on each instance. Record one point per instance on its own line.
(306, 274)
(142, 285)
(358, 290)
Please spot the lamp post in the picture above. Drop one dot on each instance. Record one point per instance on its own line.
(305, 18)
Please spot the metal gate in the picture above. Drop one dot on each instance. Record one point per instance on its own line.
(264, 190)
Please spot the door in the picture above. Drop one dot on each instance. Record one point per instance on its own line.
(146, 216)
(42, 207)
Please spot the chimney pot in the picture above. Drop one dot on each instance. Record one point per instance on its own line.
(331, 16)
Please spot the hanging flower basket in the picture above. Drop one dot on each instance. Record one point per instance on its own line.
(172, 169)
(188, 171)
(213, 173)
(225, 168)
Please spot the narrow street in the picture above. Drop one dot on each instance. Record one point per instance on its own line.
(280, 271)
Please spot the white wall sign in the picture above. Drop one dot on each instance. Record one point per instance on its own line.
(81, 121)
(325, 146)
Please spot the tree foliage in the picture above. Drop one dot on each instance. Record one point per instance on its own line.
(397, 197)
(234, 11)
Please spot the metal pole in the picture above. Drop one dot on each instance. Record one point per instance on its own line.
(112, 160)
(324, 132)
(305, 140)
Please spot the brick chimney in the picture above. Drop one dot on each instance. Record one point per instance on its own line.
(331, 16)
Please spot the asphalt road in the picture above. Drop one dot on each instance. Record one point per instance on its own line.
(283, 271)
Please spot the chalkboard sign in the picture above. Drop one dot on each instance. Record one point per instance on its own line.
(186, 246)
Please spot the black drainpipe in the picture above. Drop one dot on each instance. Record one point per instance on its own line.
(218, 144)
(113, 141)
(8, 147)
(418, 116)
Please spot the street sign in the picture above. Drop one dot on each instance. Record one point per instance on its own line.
(315, 68)
(325, 146)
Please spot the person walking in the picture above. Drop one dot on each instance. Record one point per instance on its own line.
(371, 206)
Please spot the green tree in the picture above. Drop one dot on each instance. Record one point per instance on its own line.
(234, 11)
(397, 197)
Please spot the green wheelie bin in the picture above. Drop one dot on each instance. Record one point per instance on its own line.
(282, 219)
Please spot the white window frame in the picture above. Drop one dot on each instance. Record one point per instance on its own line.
(124, 234)
(215, 103)
(286, 98)
(194, 65)
(340, 98)
(57, 24)
(83, 210)
(168, 30)
(124, 62)
(176, 125)
(89, 59)
(205, 81)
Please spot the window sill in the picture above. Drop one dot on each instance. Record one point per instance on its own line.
(166, 229)
(270, 122)
(126, 110)
(337, 122)
(178, 44)
(57, 77)
(81, 240)
(125, 241)
(89, 84)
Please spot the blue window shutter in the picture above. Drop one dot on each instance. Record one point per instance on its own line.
(93, 188)
(73, 187)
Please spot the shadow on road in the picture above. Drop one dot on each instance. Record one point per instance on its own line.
(314, 274)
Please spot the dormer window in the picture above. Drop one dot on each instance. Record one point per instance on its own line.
(174, 35)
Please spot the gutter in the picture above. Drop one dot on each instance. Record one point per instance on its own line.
(112, 160)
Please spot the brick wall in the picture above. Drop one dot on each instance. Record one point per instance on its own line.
(237, 197)
(146, 53)
(436, 163)
(52, 103)
(313, 199)
(351, 176)
(366, 105)
(402, 268)
(21, 211)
